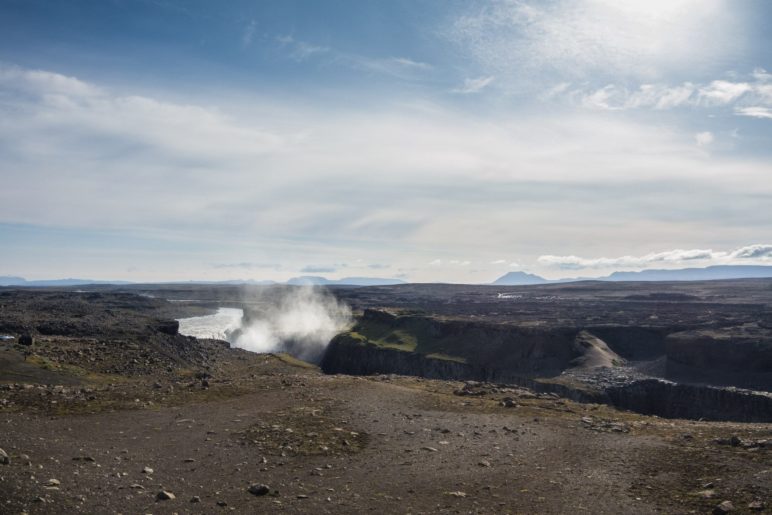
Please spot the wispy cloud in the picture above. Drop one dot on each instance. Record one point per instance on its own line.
(751, 97)
(474, 85)
(399, 67)
(527, 39)
(248, 34)
(755, 112)
(246, 265)
(299, 50)
(760, 253)
(312, 269)
(704, 139)
(281, 179)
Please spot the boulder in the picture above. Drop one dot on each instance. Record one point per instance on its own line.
(259, 489)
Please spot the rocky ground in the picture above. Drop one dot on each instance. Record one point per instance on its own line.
(114, 415)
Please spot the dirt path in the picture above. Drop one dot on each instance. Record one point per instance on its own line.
(411, 451)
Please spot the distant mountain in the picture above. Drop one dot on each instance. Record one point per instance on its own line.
(302, 280)
(8, 280)
(695, 274)
(519, 279)
(347, 281)
(710, 273)
(20, 281)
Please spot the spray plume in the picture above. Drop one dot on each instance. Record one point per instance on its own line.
(300, 322)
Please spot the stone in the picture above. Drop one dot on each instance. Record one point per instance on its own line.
(165, 495)
(26, 339)
(4, 458)
(147, 470)
(756, 506)
(723, 508)
(484, 463)
(53, 482)
(195, 498)
(259, 489)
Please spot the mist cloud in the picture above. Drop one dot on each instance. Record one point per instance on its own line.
(301, 323)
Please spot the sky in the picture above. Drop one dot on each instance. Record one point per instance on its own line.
(431, 141)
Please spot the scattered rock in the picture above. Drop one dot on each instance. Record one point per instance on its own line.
(165, 495)
(147, 470)
(723, 508)
(756, 506)
(4, 458)
(484, 463)
(456, 494)
(259, 489)
(53, 482)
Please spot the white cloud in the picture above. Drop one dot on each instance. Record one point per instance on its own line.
(749, 98)
(589, 38)
(265, 179)
(40, 82)
(704, 139)
(752, 252)
(755, 112)
(722, 92)
(474, 85)
(757, 253)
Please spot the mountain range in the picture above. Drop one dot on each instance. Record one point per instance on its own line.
(710, 273)
(302, 280)
(518, 278)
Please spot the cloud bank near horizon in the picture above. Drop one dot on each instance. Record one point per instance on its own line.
(502, 135)
(751, 254)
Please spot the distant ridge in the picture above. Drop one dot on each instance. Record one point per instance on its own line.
(302, 280)
(20, 281)
(710, 273)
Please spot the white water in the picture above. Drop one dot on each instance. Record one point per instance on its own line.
(218, 325)
(300, 322)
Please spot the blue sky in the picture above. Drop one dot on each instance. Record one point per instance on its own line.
(426, 140)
